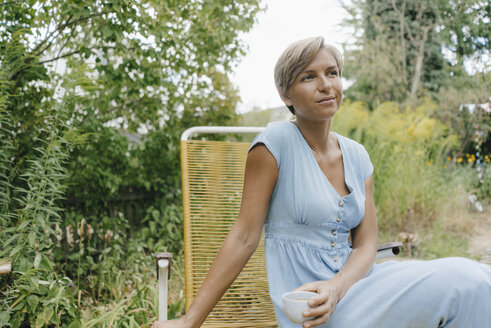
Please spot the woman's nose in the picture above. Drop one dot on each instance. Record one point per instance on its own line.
(324, 83)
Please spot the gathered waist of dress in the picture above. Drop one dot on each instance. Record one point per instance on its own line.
(325, 235)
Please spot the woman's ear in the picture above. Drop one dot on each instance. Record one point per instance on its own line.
(284, 96)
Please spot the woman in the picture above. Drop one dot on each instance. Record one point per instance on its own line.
(310, 188)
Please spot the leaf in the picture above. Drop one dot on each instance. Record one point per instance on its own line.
(41, 320)
(15, 251)
(33, 301)
(75, 324)
(4, 319)
(17, 302)
(23, 225)
(37, 260)
(49, 313)
(34, 282)
(11, 239)
(31, 238)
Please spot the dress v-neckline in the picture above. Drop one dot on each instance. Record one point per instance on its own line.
(319, 168)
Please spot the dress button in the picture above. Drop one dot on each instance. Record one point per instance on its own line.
(334, 232)
(333, 244)
(341, 203)
(338, 219)
(335, 259)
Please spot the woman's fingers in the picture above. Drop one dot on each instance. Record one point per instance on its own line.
(320, 310)
(322, 305)
(318, 300)
(308, 287)
(321, 313)
(320, 287)
(317, 321)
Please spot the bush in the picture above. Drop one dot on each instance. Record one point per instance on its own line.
(36, 293)
(409, 150)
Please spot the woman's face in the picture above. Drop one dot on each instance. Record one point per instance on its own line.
(318, 91)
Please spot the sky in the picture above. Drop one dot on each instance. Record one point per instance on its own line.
(283, 22)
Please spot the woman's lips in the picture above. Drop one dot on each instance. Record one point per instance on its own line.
(326, 100)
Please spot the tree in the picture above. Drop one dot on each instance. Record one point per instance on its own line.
(397, 50)
(465, 38)
(147, 60)
(406, 50)
(464, 29)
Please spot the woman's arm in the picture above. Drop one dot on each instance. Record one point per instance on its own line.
(357, 265)
(260, 177)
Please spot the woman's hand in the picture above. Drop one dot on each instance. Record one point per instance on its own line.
(180, 323)
(324, 304)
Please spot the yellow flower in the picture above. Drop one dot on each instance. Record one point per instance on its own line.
(459, 159)
(445, 166)
(449, 158)
(467, 155)
(470, 160)
(486, 157)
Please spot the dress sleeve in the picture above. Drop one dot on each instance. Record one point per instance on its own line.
(271, 137)
(367, 166)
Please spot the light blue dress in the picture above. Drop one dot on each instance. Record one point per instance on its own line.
(306, 239)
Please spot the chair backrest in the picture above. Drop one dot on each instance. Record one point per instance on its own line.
(212, 180)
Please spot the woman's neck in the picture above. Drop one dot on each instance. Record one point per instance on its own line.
(316, 134)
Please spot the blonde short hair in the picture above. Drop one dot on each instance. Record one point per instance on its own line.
(296, 57)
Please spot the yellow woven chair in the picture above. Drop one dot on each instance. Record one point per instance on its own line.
(212, 180)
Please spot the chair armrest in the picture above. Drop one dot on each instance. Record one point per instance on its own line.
(388, 250)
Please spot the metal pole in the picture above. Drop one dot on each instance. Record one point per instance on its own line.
(163, 288)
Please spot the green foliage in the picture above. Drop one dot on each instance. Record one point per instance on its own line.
(409, 150)
(35, 294)
(132, 301)
(464, 29)
(77, 79)
(475, 173)
(98, 167)
(149, 61)
(163, 228)
(40, 302)
(32, 183)
(6, 152)
(158, 166)
(406, 49)
(396, 53)
(461, 102)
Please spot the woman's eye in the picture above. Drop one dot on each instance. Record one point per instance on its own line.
(334, 73)
(307, 77)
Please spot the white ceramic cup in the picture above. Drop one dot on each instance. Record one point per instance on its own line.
(294, 303)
